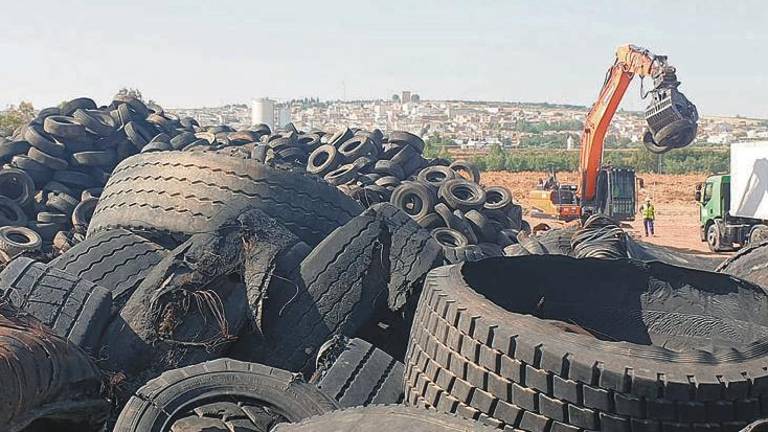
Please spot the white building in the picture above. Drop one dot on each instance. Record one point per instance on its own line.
(263, 111)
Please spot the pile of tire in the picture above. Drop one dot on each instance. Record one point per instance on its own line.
(221, 282)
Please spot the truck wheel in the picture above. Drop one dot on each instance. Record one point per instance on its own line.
(758, 234)
(714, 238)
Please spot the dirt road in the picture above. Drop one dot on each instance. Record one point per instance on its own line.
(677, 214)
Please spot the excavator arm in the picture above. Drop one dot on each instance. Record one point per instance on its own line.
(671, 117)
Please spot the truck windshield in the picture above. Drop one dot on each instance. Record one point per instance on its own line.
(708, 192)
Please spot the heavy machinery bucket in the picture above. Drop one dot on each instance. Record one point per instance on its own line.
(672, 119)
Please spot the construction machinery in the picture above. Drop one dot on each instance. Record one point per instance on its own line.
(734, 207)
(672, 121)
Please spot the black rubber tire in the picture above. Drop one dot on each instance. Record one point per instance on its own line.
(40, 140)
(402, 137)
(100, 158)
(40, 173)
(117, 260)
(72, 307)
(394, 418)
(137, 134)
(463, 195)
(74, 179)
(430, 221)
(758, 234)
(342, 175)
(449, 238)
(413, 198)
(481, 226)
(247, 387)
(497, 199)
(714, 238)
(9, 149)
(15, 240)
(70, 106)
(389, 168)
(82, 214)
(63, 126)
(467, 170)
(49, 161)
(356, 373)
(95, 121)
(388, 181)
(53, 217)
(558, 241)
(750, 263)
(183, 193)
(44, 377)
(46, 230)
(436, 175)
(17, 185)
(377, 259)
(340, 136)
(539, 374)
(11, 214)
(357, 147)
(62, 203)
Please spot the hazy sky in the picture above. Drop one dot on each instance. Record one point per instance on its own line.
(187, 53)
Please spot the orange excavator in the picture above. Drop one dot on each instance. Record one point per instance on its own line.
(671, 123)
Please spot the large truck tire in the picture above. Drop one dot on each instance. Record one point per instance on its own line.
(44, 379)
(72, 307)
(182, 193)
(356, 373)
(387, 418)
(750, 263)
(543, 343)
(221, 395)
(117, 259)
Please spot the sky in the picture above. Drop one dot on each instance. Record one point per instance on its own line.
(207, 53)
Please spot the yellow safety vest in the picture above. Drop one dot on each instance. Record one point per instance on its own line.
(649, 212)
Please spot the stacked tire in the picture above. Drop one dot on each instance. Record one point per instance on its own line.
(544, 343)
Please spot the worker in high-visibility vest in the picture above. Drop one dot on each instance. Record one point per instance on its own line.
(649, 215)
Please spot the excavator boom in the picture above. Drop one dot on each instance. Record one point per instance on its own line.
(671, 118)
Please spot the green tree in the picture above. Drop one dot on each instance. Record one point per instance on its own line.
(15, 116)
(496, 160)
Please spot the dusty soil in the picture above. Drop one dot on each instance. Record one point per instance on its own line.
(677, 214)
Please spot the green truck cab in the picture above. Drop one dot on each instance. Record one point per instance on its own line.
(734, 207)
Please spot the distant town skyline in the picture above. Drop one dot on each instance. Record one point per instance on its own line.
(184, 54)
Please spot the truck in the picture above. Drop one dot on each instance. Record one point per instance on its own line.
(734, 207)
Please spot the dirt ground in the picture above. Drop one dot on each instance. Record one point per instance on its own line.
(677, 214)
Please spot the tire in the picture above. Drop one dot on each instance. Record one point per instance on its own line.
(750, 263)
(12, 148)
(430, 221)
(82, 214)
(40, 140)
(414, 199)
(183, 193)
(63, 126)
(117, 260)
(558, 241)
(241, 390)
(17, 240)
(72, 307)
(463, 195)
(17, 185)
(714, 238)
(45, 378)
(402, 137)
(75, 179)
(481, 226)
(342, 175)
(357, 147)
(758, 234)
(466, 169)
(436, 175)
(497, 199)
(49, 161)
(395, 418)
(62, 202)
(11, 214)
(389, 168)
(95, 121)
(377, 259)
(356, 373)
(101, 158)
(696, 366)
